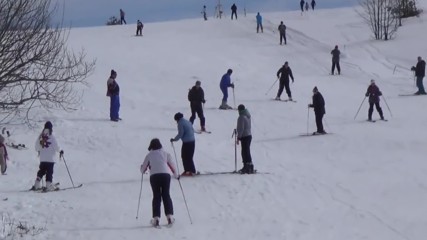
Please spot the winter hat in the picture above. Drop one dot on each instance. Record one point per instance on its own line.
(155, 144)
(286, 63)
(315, 89)
(229, 71)
(336, 46)
(48, 125)
(372, 81)
(113, 72)
(241, 107)
(178, 116)
(198, 83)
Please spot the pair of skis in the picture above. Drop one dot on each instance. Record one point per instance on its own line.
(56, 188)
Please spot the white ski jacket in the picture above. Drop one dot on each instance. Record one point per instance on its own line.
(47, 146)
(159, 161)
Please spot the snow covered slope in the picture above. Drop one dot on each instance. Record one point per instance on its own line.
(364, 181)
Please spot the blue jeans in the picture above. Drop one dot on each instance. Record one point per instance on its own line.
(225, 94)
(114, 107)
(420, 85)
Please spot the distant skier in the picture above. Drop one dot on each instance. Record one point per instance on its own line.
(224, 85)
(186, 134)
(284, 73)
(113, 91)
(374, 93)
(282, 32)
(139, 27)
(233, 11)
(319, 110)
(259, 23)
(313, 4)
(244, 136)
(122, 17)
(204, 13)
(301, 3)
(335, 60)
(420, 72)
(306, 6)
(3, 155)
(47, 147)
(196, 96)
(160, 164)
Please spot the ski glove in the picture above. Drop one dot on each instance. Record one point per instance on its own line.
(413, 68)
(367, 94)
(232, 85)
(172, 140)
(61, 153)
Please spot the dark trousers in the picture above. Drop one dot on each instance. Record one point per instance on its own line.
(258, 26)
(224, 93)
(45, 168)
(246, 149)
(312, 6)
(282, 36)
(114, 107)
(204, 16)
(337, 64)
(371, 109)
(284, 84)
(160, 184)
(235, 14)
(319, 122)
(420, 85)
(122, 20)
(138, 30)
(187, 153)
(197, 108)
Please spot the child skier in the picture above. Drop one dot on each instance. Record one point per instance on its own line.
(3, 156)
(374, 93)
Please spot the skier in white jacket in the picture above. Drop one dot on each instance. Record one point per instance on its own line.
(46, 146)
(161, 166)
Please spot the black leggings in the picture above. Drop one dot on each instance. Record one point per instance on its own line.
(160, 184)
(246, 149)
(46, 168)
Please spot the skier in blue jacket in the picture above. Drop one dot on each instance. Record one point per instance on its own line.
(224, 85)
(259, 23)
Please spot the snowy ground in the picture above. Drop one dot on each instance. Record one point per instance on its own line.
(364, 181)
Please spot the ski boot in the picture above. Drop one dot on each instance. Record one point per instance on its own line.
(37, 185)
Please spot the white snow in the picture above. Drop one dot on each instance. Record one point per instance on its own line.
(365, 181)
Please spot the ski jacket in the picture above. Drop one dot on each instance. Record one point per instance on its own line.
(420, 69)
(284, 73)
(159, 161)
(139, 24)
(112, 87)
(234, 8)
(244, 124)
(282, 28)
(318, 103)
(225, 81)
(122, 13)
(313, 3)
(373, 93)
(46, 146)
(3, 155)
(335, 55)
(196, 95)
(258, 19)
(185, 131)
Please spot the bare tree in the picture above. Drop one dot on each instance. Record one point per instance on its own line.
(36, 67)
(380, 17)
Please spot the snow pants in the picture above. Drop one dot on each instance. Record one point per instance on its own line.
(224, 91)
(160, 184)
(114, 107)
(284, 83)
(337, 64)
(371, 109)
(197, 108)
(319, 121)
(282, 36)
(233, 13)
(138, 31)
(45, 168)
(122, 20)
(3, 165)
(187, 153)
(420, 85)
(258, 26)
(246, 149)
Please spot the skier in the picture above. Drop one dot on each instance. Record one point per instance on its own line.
(301, 3)
(204, 13)
(113, 91)
(196, 96)
(245, 137)
(319, 110)
(46, 146)
(3, 155)
(186, 134)
(282, 31)
(161, 165)
(374, 94)
(122, 17)
(233, 11)
(139, 27)
(224, 85)
(420, 72)
(259, 23)
(284, 73)
(306, 6)
(313, 4)
(335, 60)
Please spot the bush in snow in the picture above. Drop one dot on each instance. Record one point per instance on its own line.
(11, 229)
(113, 21)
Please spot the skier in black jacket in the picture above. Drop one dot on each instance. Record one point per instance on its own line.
(319, 110)
(284, 73)
(420, 72)
(233, 11)
(374, 93)
(196, 96)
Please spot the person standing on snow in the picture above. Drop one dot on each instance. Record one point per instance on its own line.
(259, 23)
(301, 3)
(319, 110)
(284, 73)
(122, 17)
(313, 4)
(306, 6)
(46, 146)
(420, 72)
(224, 85)
(196, 96)
(244, 136)
(161, 166)
(186, 134)
(113, 91)
(139, 27)
(282, 32)
(335, 60)
(204, 13)
(374, 94)
(233, 11)
(3, 155)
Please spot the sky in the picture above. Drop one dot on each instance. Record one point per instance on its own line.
(80, 13)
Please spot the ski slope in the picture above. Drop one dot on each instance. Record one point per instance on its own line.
(364, 181)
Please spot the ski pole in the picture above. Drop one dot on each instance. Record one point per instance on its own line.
(308, 117)
(387, 106)
(359, 108)
(69, 174)
(234, 99)
(139, 200)
(180, 185)
(235, 149)
(272, 86)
